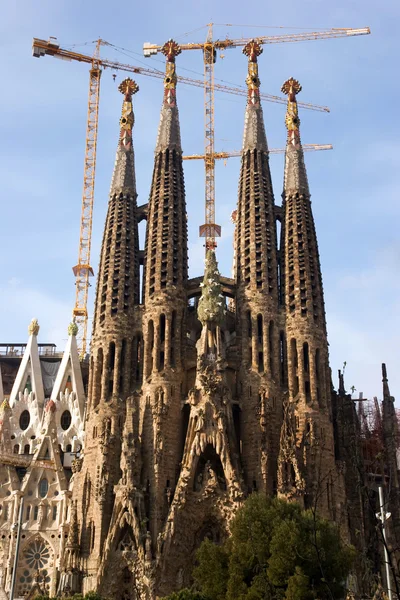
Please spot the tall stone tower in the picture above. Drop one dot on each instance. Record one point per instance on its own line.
(112, 363)
(196, 402)
(260, 376)
(307, 464)
(165, 280)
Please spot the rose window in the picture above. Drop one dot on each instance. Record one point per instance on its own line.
(36, 561)
(37, 555)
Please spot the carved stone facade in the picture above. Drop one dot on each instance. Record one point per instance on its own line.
(41, 439)
(200, 392)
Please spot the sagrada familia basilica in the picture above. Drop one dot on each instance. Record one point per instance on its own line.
(199, 391)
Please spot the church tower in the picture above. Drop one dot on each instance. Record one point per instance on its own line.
(111, 372)
(257, 296)
(164, 296)
(308, 421)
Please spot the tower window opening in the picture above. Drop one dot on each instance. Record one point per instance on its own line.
(307, 390)
(260, 329)
(150, 337)
(271, 334)
(249, 324)
(282, 356)
(122, 366)
(260, 362)
(306, 358)
(162, 328)
(26, 449)
(98, 377)
(293, 367)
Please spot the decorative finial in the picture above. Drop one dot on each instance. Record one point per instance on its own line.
(170, 50)
(291, 88)
(128, 87)
(5, 406)
(252, 49)
(33, 328)
(72, 328)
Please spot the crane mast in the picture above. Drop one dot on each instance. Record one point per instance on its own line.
(83, 271)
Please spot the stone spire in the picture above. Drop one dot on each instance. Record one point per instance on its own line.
(166, 236)
(256, 265)
(254, 137)
(113, 359)
(295, 177)
(165, 303)
(301, 266)
(385, 383)
(257, 304)
(124, 179)
(118, 281)
(169, 133)
(309, 380)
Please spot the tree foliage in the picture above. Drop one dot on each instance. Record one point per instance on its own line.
(276, 551)
(186, 594)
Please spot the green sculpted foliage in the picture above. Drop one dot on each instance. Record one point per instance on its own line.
(211, 304)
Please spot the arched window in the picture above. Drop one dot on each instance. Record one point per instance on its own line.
(16, 449)
(43, 488)
(26, 449)
(68, 448)
(24, 420)
(66, 420)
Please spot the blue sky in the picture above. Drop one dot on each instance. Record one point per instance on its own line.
(355, 188)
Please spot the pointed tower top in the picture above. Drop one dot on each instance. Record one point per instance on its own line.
(386, 391)
(295, 179)
(72, 328)
(33, 328)
(342, 391)
(254, 137)
(124, 171)
(169, 134)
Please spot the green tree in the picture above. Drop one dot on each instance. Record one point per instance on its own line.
(276, 551)
(185, 594)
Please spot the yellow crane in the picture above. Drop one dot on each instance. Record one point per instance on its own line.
(83, 270)
(237, 153)
(209, 48)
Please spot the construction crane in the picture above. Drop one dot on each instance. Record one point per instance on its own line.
(83, 270)
(237, 153)
(209, 48)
